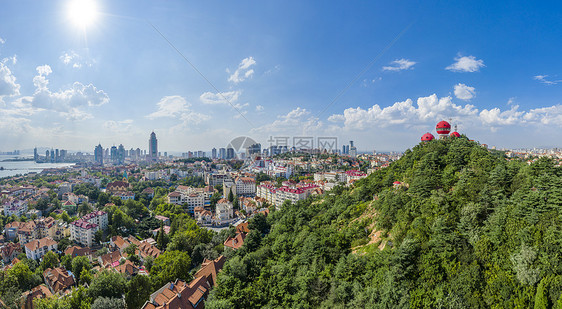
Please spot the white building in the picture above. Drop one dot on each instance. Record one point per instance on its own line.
(97, 217)
(83, 232)
(35, 249)
(224, 211)
(15, 207)
(245, 186)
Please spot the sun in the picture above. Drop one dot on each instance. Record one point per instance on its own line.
(82, 12)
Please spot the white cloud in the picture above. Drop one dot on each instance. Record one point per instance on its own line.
(69, 102)
(170, 106)
(177, 107)
(2, 41)
(297, 119)
(464, 92)
(122, 126)
(243, 71)
(399, 65)
(466, 64)
(8, 84)
(72, 58)
(259, 108)
(229, 97)
(428, 110)
(542, 79)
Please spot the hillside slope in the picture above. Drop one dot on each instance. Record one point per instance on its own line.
(466, 229)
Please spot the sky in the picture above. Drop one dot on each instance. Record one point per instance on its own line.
(75, 73)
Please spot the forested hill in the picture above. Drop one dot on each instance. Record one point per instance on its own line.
(467, 228)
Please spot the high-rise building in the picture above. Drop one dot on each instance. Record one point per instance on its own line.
(35, 154)
(230, 154)
(98, 154)
(222, 153)
(113, 154)
(254, 149)
(214, 153)
(121, 154)
(153, 147)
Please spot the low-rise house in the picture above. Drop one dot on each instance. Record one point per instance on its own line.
(179, 294)
(111, 259)
(203, 216)
(129, 195)
(235, 242)
(127, 268)
(165, 220)
(224, 211)
(149, 192)
(210, 270)
(75, 251)
(174, 198)
(59, 280)
(118, 187)
(10, 251)
(35, 249)
(39, 292)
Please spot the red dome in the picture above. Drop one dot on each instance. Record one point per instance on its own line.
(455, 134)
(427, 137)
(443, 127)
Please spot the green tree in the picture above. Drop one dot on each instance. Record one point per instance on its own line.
(169, 266)
(107, 284)
(80, 263)
(49, 260)
(138, 291)
(108, 303)
(85, 277)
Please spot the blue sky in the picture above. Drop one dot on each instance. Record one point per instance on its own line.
(493, 68)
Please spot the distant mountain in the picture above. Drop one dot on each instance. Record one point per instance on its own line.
(449, 225)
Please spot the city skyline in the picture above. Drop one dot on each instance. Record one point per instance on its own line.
(374, 73)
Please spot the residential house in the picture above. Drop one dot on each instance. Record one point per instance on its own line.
(210, 270)
(224, 211)
(235, 242)
(83, 232)
(180, 294)
(10, 251)
(203, 216)
(110, 259)
(39, 292)
(75, 251)
(59, 280)
(35, 249)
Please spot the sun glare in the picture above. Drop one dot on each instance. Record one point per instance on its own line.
(82, 12)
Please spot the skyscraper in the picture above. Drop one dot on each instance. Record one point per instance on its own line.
(121, 154)
(214, 153)
(113, 154)
(98, 154)
(152, 147)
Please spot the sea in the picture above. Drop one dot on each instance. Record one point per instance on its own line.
(12, 168)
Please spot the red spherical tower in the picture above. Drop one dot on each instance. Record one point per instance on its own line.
(427, 137)
(455, 134)
(443, 128)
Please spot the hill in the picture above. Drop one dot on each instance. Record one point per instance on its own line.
(466, 228)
